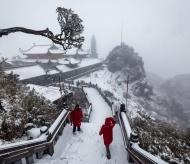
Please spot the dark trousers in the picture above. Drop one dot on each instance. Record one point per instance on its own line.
(108, 151)
(74, 128)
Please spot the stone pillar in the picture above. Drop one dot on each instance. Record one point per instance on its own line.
(122, 108)
(30, 159)
(65, 105)
(50, 149)
(39, 154)
(134, 137)
(18, 162)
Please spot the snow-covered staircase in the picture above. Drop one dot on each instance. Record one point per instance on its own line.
(86, 147)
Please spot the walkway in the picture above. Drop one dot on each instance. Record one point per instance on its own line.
(87, 147)
(100, 109)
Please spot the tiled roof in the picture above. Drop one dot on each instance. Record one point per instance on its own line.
(69, 60)
(74, 51)
(43, 49)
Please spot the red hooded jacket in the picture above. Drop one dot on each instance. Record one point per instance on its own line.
(76, 116)
(107, 131)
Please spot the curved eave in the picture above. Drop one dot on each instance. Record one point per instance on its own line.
(42, 49)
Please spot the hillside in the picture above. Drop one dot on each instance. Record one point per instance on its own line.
(174, 94)
(127, 62)
(159, 109)
(124, 61)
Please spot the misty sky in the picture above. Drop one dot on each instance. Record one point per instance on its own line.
(159, 30)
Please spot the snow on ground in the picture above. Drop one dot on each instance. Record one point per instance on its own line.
(87, 147)
(108, 81)
(49, 92)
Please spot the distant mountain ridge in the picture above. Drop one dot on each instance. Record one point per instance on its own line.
(179, 87)
(154, 80)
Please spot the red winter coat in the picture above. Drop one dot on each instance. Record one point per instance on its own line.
(107, 131)
(76, 116)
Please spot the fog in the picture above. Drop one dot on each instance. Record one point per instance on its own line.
(158, 30)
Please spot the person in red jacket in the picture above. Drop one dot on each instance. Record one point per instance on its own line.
(76, 118)
(107, 131)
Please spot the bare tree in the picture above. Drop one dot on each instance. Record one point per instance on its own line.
(71, 29)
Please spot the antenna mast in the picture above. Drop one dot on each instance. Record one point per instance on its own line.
(121, 32)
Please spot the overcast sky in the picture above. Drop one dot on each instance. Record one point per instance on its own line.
(159, 30)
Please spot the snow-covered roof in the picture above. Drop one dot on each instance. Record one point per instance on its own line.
(75, 51)
(27, 72)
(51, 72)
(9, 62)
(84, 63)
(64, 68)
(58, 51)
(41, 60)
(73, 61)
(72, 51)
(69, 60)
(36, 70)
(81, 52)
(50, 93)
(43, 49)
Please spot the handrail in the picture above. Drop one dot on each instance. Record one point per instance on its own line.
(58, 128)
(19, 151)
(127, 141)
(136, 153)
(89, 107)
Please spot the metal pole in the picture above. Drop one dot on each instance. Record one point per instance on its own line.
(121, 33)
(127, 90)
(61, 98)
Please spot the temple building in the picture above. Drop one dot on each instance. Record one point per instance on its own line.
(53, 52)
(44, 52)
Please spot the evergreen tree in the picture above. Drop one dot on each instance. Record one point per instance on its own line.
(93, 47)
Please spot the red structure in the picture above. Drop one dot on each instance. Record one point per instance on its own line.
(44, 52)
